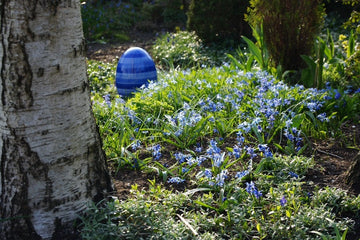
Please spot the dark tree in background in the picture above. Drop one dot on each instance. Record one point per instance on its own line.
(219, 21)
(290, 28)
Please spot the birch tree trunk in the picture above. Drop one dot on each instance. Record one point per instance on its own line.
(51, 161)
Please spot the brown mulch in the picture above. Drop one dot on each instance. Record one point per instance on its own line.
(110, 52)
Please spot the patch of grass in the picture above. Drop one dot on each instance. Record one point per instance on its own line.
(185, 50)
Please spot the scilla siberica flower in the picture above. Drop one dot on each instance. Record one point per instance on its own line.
(208, 173)
(240, 138)
(322, 117)
(156, 152)
(220, 178)
(236, 152)
(176, 180)
(265, 150)
(135, 145)
(251, 152)
(294, 175)
(242, 174)
(252, 189)
(314, 105)
(283, 201)
(107, 99)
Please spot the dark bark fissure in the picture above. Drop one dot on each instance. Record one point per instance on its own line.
(353, 174)
(3, 45)
(83, 87)
(18, 162)
(80, 50)
(102, 181)
(17, 91)
(52, 5)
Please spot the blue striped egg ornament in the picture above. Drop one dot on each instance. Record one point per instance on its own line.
(135, 68)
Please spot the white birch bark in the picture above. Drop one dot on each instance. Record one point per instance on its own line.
(51, 159)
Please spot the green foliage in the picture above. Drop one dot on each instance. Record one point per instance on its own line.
(286, 211)
(354, 20)
(101, 77)
(352, 69)
(186, 50)
(169, 13)
(258, 49)
(218, 21)
(290, 28)
(107, 20)
(232, 138)
(236, 125)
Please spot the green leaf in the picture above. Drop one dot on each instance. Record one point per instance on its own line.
(255, 50)
(205, 205)
(288, 213)
(258, 227)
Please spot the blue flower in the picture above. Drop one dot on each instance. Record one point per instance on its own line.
(289, 135)
(240, 138)
(245, 126)
(292, 174)
(236, 151)
(200, 160)
(322, 117)
(220, 178)
(252, 189)
(184, 170)
(208, 173)
(198, 148)
(251, 152)
(314, 106)
(107, 100)
(135, 145)
(242, 174)
(156, 152)
(337, 94)
(266, 150)
(176, 180)
(213, 148)
(218, 159)
(283, 201)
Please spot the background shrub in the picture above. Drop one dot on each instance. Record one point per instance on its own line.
(108, 20)
(186, 50)
(218, 21)
(167, 13)
(290, 27)
(354, 19)
(352, 70)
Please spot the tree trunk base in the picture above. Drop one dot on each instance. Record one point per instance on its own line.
(352, 176)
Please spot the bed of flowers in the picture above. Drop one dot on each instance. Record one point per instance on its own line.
(226, 151)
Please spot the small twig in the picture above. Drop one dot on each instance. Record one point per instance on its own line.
(330, 154)
(187, 224)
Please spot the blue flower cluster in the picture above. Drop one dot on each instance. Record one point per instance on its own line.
(176, 180)
(156, 151)
(254, 106)
(252, 189)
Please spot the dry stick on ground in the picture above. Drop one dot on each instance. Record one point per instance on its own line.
(330, 154)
